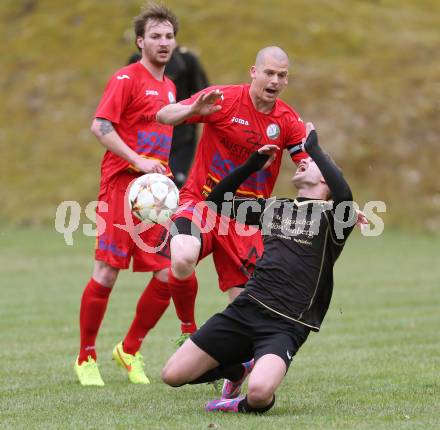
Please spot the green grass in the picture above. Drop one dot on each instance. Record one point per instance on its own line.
(375, 365)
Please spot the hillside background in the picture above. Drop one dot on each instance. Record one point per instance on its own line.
(366, 72)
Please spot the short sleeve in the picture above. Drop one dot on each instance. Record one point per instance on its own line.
(116, 97)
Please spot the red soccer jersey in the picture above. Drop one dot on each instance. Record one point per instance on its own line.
(130, 101)
(232, 134)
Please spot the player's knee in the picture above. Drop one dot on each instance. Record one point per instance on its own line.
(171, 376)
(183, 265)
(162, 275)
(105, 274)
(185, 251)
(259, 394)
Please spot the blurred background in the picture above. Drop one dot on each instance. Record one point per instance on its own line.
(366, 72)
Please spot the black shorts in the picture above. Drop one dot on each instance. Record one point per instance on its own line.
(246, 330)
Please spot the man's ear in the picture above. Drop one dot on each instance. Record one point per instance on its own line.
(140, 42)
(253, 72)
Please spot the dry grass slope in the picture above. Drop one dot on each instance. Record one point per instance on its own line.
(365, 72)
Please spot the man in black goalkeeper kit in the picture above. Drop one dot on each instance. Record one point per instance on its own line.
(290, 290)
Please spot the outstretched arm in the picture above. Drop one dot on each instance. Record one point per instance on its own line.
(344, 216)
(339, 187)
(258, 160)
(205, 104)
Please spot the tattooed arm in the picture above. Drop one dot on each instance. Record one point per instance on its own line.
(104, 131)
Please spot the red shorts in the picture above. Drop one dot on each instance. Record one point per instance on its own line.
(235, 247)
(118, 240)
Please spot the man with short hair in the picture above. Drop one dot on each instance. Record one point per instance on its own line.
(125, 123)
(237, 120)
(189, 77)
(289, 292)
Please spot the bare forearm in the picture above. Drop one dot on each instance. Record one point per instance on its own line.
(174, 114)
(110, 139)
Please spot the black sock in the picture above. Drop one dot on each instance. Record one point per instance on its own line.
(233, 373)
(246, 408)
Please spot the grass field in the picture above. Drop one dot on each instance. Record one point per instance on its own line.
(375, 364)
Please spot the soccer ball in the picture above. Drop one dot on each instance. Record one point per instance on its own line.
(153, 198)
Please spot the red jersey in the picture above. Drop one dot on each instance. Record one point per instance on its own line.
(130, 101)
(232, 134)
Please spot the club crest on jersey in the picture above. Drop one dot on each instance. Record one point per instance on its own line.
(171, 97)
(273, 131)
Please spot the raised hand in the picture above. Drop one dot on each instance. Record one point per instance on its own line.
(361, 219)
(270, 150)
(205, 104)
(309, 128)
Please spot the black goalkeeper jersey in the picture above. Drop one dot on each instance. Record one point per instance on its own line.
(294, 276)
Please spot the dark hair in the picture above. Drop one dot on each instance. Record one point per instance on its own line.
(330, 194)
(154, 12)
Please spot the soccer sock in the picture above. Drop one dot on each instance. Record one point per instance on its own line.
(150, 308)
(233, 372)
(246, 408)
(93, 305)
(184, 293)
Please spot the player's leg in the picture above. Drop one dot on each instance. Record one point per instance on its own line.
(215, 351)
(275, 343)
(93, 306)
(151, 305)
(112, 253)
(264, 379)
(235, 257)
(185, 250)
(186, 244)
(187, 364)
